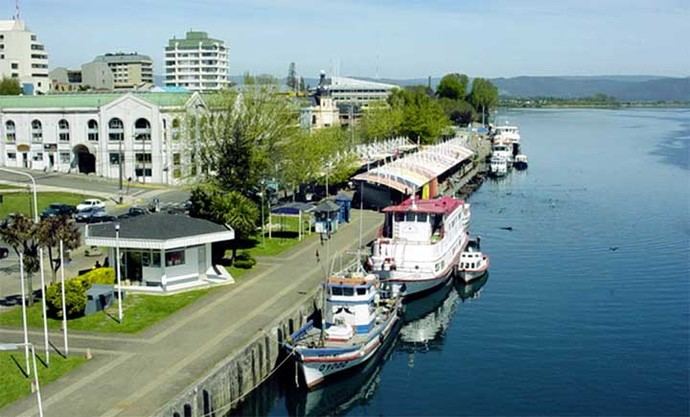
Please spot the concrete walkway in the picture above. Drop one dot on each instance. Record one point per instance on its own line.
(136, 375)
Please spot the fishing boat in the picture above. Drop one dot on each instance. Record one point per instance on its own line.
(420, 243)
(498, 166)
(520, 162)
(473, 264)
(360, 315)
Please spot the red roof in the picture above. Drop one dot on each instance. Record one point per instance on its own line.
(441, 205)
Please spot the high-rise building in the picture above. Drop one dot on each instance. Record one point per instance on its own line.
(23, 57)
(129, 70)
(197, 62)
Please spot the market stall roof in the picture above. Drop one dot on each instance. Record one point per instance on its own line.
(413, 171)
(293, 208)
(327, 206)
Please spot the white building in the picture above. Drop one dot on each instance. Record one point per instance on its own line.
(353, 91)
(197, 62)
(94, 133)
(112, 71)
(163, 252)
(23, 57)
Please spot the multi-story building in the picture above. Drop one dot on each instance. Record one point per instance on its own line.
(139, 136)
(23, 57)
(197, 63)
(118, 71)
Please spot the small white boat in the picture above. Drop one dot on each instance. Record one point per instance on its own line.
(498, 165)
(359, 317)
(473, 264)
(520, 162)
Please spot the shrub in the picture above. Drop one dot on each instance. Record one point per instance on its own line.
(75, 292)
(75, 298)
(244, 260)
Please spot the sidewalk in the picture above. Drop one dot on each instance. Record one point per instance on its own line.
(134, 376)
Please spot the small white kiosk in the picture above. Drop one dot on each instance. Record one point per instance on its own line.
(163, 252)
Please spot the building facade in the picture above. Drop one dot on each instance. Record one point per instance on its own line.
(197, 63)
(118, 71)
(23, 57)
(134, 136)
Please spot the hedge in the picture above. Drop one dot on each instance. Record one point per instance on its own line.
(244, 260)
(75, 292)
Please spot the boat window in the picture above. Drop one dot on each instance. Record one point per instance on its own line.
(399, 217)
(361, 291)
(337, 290)
(410, 217)
(348, 291)
(422, 217)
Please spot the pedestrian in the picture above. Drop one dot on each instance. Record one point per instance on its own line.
(317, 256)
(106, 262)
(321, 237)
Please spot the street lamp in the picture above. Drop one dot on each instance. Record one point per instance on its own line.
(117, 267)
(26, 331)
(15, 346)
(62, 289)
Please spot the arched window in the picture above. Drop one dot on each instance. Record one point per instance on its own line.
(116, 130)
(92, 130)
(36, 131)
(175, 129)
(10, 131)
(142, 129)
(63, 130)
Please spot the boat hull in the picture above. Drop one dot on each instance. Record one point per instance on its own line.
(468, 276)
(417, 287)
(520, 166)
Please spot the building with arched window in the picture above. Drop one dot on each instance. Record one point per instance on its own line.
(137, 136)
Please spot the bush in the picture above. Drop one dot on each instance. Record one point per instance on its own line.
(244, 260)
(75, 292)
(75, 298)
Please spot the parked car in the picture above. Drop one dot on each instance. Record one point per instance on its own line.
(58, 209)
(4, 252)
(90, 203)
(101, 217)
(85, 214)
(134, 212)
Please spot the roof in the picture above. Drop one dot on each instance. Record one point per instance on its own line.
(439, 205)
(292, 208)
(327, 206)
(413, 171)
(193, 39)
(89, 100)
(158, 226)
(353, 83)
(121, 57)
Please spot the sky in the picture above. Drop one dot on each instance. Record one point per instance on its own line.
(381, 38)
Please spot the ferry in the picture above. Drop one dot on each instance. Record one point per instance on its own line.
(420, 243)
(498, 166)
(360, 315)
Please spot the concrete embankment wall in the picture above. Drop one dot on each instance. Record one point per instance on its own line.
(230, 381)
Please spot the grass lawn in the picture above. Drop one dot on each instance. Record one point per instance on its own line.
(139, 312)
(13, 382)
(23, 202)
(271, 247)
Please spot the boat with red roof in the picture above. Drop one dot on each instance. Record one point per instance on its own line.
(421, 242)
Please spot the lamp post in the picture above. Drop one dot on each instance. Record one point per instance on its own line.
(33, 186)
(15, 346)
(26, 332)
(62, 290)
(117, 263)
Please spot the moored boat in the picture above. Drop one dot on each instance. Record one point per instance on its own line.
(421, 243)
(498, 166)
(359, 316)
(473, 264)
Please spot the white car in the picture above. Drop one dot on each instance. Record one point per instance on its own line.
(90, 203)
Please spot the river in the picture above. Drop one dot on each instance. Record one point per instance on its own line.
(586, 308)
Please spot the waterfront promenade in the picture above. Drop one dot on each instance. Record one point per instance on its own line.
(136, 375)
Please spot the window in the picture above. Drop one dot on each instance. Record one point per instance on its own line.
(143, 172)
(36, 131)
(38, 156)
(116, 130)
(64, 157)
(348, 291)
(176, 159)
(337, 290)
(174, 257)
(11, 155)
(10, 131)
(114, 158)
(63, 130)
(155, 259)
(176, 129)
(143, 158)
(142, 130)
(361, 291)
(15, 65)
(92, 130)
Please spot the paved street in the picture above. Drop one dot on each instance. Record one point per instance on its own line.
(136, 375)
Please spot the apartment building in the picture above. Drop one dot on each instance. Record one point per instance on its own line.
(23, 57)
(112, 71)
(197, 63)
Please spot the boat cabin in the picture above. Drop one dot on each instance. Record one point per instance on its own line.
(419, 220)
(350, 305)
(470, 260)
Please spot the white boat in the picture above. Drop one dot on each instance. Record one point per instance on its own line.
(503, 150)
(498, 165)
(358, 319)
(507, 133)
(473, 264)
(520, 161)
(420, 243)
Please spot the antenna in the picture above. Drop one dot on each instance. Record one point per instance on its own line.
(16, 10)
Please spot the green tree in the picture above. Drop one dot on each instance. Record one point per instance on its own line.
(19, 232)
(423, 117)
(10, 87)
(459, 112)
(75, 298)
(484, 96)
(380, 121)
(241, 136)
(453, 86)
(292, 81)
(51, 231)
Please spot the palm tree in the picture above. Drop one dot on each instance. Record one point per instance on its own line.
(20, 233)
(50, 232)
(238, 212)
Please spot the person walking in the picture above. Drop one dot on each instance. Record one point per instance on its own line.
(317, 256)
